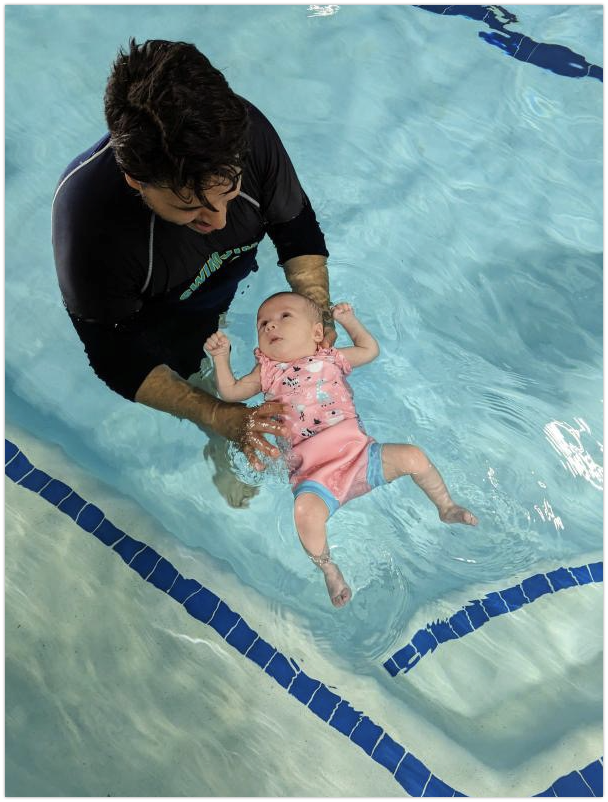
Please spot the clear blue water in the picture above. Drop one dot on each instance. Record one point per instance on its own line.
(460, 191)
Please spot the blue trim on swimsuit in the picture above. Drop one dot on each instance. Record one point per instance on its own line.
(375, 474)
(374, 477)
(320, 490)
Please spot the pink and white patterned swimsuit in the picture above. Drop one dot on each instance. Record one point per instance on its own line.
(331, 455)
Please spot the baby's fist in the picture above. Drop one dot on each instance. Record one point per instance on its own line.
(342, 312)
(217, 344)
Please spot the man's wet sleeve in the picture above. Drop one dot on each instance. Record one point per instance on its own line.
(300, 236)
(120, 357)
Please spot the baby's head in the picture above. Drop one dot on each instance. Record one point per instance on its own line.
(290, 326)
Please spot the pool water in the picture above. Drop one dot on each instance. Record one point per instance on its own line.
(460, 192)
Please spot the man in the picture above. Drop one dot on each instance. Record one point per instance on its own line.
(155, 226)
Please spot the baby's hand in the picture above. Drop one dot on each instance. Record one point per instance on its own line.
(217, 344)
(342, 312)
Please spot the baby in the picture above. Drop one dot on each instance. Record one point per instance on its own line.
(331, 459)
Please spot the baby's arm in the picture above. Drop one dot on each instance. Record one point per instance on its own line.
(229, 388)
(364, 348)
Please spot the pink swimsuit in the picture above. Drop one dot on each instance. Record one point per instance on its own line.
(331, 456)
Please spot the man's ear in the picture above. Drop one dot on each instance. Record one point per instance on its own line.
(133, 183)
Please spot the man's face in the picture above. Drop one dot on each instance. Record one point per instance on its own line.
(188, 210)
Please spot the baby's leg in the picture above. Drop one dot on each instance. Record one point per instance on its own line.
(310, 513)
(405, 460)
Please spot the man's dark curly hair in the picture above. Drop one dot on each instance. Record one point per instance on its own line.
(174, 121)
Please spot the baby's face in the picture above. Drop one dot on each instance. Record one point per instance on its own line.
(286, 329)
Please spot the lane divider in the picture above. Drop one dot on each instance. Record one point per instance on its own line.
(555, 58)
(204, 605)
(479, 611)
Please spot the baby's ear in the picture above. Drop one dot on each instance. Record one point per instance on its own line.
(318, 332)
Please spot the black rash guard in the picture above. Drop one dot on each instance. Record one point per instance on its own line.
(141, 291)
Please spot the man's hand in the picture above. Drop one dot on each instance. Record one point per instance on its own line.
(247, 425)
(217, 344)
(330, 336)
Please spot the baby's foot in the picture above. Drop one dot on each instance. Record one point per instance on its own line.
(339, 592)
(457, 515)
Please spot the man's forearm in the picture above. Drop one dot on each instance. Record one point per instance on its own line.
(165, 390)
(308, 275)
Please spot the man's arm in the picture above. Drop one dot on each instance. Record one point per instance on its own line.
(165, 390)
(308, 275)
(130, 366)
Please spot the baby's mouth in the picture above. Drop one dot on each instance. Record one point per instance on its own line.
(274, 339)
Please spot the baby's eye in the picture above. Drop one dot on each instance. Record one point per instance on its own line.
(286, 314)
